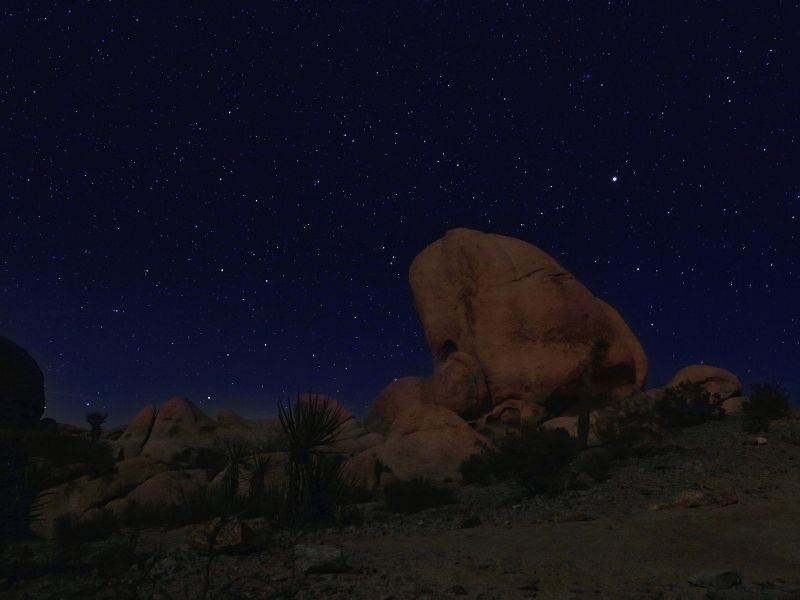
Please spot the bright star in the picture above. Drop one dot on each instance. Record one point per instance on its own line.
(614, 178)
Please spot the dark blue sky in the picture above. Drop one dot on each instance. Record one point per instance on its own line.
(223, 203)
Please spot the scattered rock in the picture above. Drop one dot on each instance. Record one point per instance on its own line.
(221, 535)
(691, 499)
(727, 498)
(720, 580)
(319, 559)
(470, 522)
(568, 516)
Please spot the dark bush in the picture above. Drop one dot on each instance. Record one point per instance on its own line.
(477, 469)
(631, 427)
(686, 405)
(535, 457)
(416, 494)
(355, 494)
(590, 467)
(95, 421)
(767, 402)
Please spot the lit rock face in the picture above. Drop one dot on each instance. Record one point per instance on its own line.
(21, 386)
(424, 440)
(715, 381)
(528, 323)
(174, 427)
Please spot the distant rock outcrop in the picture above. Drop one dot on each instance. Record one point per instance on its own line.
(22, 398)
(715, 381)
(163, 432)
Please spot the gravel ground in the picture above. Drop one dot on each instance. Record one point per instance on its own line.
(496, 542)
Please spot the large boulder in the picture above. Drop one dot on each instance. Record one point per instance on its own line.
(398, 395)
(529, 323)
(21, 386)
(430, 441)
(132, 440)
(179, 426)
(80, 495)
(715, 381)
(165, 488)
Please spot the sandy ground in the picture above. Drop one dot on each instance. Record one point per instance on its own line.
(623, 551)
(604, 558)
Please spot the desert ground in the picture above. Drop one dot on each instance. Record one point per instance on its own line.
(715, 505)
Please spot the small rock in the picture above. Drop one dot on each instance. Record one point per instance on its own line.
(219, 535)
(691, 499)
(719, 580)
(531, 585)
(469, 522)
(568, 516)
(459, 590)
(319, 559)
(727, 498)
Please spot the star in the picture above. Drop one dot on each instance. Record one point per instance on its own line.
(614, 179)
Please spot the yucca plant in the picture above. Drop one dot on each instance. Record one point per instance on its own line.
(237, 458)
(309, 424)
(95, 421)
(258, 467)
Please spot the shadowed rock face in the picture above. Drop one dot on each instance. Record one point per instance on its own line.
(528, 322)
(21, 385)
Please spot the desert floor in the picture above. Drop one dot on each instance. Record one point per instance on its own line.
(605, 542)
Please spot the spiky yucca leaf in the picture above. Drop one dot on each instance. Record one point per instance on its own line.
(258, 468)
(236, 456)
(309, 424)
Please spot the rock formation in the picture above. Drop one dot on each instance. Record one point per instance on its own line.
(21, 386)
(507, 327)
(715, 381)
(524, 318)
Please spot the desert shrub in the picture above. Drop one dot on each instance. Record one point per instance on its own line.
(589, 467)
(355, 494)
(767, 402)
(630, 427)
(59, 450)
(416, 494)
(95, 421)
(686, 405)
(535, 457)
(257, 468)
(314, 477)
(477, 469)
(35, 458)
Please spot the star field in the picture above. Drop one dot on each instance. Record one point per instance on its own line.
(223, 203)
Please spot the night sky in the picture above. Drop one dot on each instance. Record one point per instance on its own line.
(223, 203)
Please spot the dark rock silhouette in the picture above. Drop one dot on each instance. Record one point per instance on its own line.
(22, 398)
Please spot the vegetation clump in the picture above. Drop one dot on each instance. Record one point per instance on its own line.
(686, 405)
(416, 494)
(767, 402)
(540, 460)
